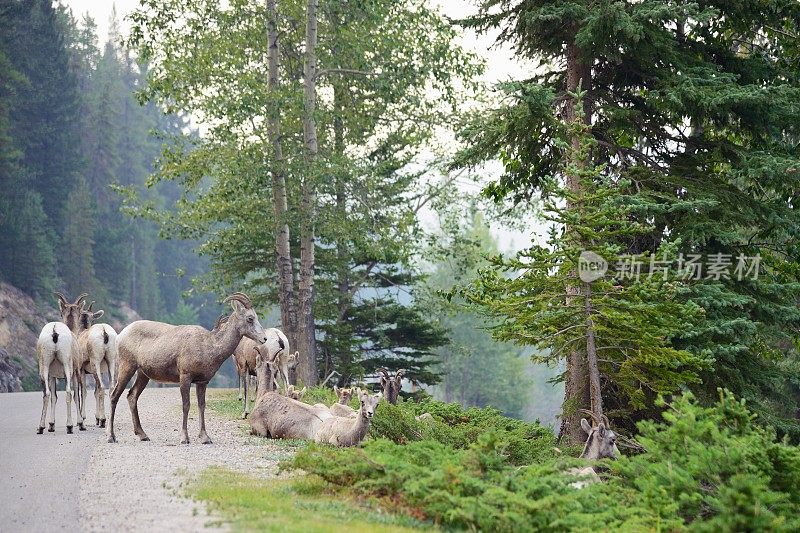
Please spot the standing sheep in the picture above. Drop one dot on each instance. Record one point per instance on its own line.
(179, 354)
(98, 354)
(57, 354)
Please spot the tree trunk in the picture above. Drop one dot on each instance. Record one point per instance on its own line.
(280, 203)
(307, 370)
(596, 399)
(342, 256)
(576, 391)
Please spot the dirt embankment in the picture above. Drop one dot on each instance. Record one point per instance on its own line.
(21, 320)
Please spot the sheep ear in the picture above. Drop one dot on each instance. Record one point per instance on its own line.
(383, 381)
(585, 426)
(237, 306)
(601, 429)
(98, 314)
(258, 357)
(336, 390)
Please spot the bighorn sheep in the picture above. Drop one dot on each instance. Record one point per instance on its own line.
(600, 444)
(346, 431)
(391, 385)
(295, 394)
(98, 353)
(245, 358)
(57, 354)
(180, 354)
(341, 408)
(280, 417)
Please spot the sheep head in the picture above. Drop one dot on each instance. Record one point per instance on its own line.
(294, 393)
(71, 312)
(244, 318)
(343, 394)
(391, 385)
(602, 441)
(88, 316)
(266, 371)
(293, 360)
(369, 402)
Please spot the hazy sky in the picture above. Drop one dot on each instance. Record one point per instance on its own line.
(500, 65)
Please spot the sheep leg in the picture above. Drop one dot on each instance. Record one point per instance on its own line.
(254, 385)
(186, 385)
(100, 406)
(112, 373)
(126, 371)
(99, 393)
(53, 398)
(245, 382)
(45, 398)
(44, 377)
(133, 402)
(80, 399)
(200, 389)
(284, 371)
(69, 394)
(241, 384)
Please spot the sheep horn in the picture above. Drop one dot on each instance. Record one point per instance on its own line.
(383, 371)
(61, 297)
(605, 419)
(90, 305)
(591, 413)
(81, 298)
(240, 297)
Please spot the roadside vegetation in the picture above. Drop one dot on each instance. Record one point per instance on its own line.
(252, 504)
(702, 469)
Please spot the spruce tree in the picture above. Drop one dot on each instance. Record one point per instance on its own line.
(44, 119)
(689, 102)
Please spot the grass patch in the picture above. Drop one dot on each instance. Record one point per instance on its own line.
(304, 504)
(225, 402)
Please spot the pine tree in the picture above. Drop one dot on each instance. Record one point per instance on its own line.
(622, 326)
(689, 102)
(45, 117)
(77, 253)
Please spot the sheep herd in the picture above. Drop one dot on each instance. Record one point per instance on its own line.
(76, 346)
(183, 355)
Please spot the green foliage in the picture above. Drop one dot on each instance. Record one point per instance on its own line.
(631, 322)
(373, 130)
(252, 504)
(704, 469)
(477, 370)
(322, 395)
(70, 129)
(185, 313)
(726, 76)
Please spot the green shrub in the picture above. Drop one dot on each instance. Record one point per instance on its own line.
(705, 469)
(320, 395)
(521, 442)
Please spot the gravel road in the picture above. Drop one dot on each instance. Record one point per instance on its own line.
(127, 486)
